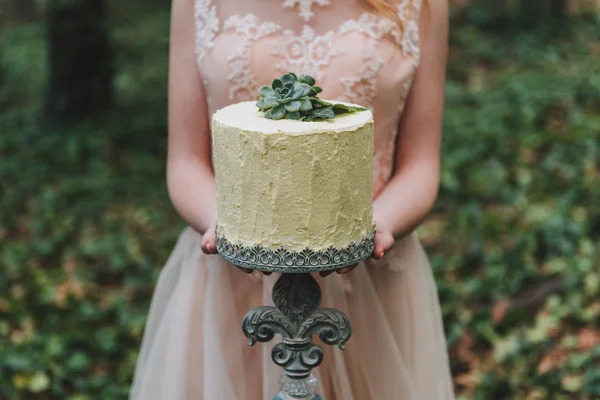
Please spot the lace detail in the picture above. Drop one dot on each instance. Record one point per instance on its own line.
(207, 26)
(243, 84)
(409, 12)
(306, 11)
(362, 89)
(369, 24)
(305, 54)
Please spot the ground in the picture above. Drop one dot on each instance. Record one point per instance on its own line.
(86, 224)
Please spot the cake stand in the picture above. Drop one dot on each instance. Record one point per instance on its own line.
(297, 315)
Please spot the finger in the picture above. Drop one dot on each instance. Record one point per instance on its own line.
(346, 270)
(204, 248)
(209, 246)
(378, 253)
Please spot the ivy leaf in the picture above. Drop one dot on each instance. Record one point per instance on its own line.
(38, 382)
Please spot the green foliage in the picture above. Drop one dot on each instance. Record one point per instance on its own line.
(79, 249)
(514, 237)
(501, 15)
(86, 224)
(294, 97)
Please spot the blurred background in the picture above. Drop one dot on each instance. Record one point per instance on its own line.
(86, 224)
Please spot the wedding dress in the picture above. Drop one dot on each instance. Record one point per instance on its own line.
(193, 346)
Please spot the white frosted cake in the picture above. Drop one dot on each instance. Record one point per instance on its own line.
(290, 183)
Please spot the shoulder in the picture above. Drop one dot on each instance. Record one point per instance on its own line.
(435, 12)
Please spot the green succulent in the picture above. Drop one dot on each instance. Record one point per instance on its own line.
(295, 97)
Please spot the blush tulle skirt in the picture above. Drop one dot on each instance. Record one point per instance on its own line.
(194, 349)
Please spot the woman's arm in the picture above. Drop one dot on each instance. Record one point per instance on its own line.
(411, 193)
(190, 177)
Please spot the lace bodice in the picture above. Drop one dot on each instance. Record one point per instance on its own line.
(354, 54)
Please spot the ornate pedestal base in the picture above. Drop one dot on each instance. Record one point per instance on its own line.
(282, 396)
(297, 317)
(291, 388)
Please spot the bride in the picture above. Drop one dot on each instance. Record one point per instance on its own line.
(389, 56)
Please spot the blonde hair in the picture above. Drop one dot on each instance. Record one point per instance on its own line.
(383, 7)
(388, 7)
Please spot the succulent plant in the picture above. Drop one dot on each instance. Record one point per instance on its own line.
(295, 97)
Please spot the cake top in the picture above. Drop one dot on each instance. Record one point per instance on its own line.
(247, 117)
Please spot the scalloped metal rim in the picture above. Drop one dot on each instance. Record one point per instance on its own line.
(260, 258)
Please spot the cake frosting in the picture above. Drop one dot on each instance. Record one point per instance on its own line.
(292, 183)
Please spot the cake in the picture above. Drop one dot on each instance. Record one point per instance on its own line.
(293, 185)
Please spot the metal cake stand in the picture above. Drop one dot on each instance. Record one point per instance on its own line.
(297, 315)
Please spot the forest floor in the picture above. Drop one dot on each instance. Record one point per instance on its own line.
(86, 224)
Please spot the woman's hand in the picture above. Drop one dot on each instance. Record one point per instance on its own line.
(209, 241)
(209, 246)
(384, 241)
